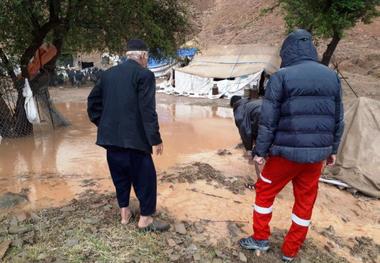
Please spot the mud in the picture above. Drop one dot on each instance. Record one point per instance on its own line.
(203, 171)
(88, 230)
(56, 166)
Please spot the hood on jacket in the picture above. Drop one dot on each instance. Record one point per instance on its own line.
(298, 46)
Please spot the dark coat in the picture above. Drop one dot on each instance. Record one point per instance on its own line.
(123, 106)
(302, 113)
(247, 116)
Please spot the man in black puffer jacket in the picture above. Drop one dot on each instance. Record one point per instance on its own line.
(300, 127)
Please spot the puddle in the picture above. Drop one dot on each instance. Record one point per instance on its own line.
(56, 166)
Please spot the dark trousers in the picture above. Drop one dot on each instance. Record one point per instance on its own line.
(131, 167)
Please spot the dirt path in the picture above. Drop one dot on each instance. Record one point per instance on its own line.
(209, 208)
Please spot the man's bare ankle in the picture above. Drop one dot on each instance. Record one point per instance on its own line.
(145, 221)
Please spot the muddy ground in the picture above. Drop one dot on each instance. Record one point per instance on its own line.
(204, 198)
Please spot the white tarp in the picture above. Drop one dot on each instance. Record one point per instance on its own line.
(30, 104)
(231, 68)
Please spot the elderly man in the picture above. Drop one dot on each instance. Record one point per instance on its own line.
(123, 107)
(300, 127)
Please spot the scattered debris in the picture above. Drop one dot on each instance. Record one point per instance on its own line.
(9, 200)
(223, 152)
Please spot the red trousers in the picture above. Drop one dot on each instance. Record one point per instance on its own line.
(277, 173)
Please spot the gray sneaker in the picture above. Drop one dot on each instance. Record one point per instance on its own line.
(287, 259)
(252, 244)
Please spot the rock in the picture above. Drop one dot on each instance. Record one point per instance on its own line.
(67, 209)
(171, 242)
(72, 242)
(192, 249)
(14, 221)
(174, 257)
(199, 228)
(35, 217)
(18, 243)
(91, 221)
(107, 207)
(217, 260)
(242, 257)
(197, 257)
(19, 229)
(180, 228)
(223, 152)
(4, 246)
(29, 237)
(42, 256)
(21, 217)
(9, 200)
(219, 253)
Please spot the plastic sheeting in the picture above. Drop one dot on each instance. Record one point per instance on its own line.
(197, 86)
(30, 104)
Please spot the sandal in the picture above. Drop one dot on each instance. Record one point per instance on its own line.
(156, 226)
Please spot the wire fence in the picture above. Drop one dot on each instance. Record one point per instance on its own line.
(13, 119)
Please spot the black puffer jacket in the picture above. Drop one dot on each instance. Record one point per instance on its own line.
(247, 116)
(302, 113)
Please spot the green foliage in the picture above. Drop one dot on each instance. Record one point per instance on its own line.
(326, 18)
(90, 25)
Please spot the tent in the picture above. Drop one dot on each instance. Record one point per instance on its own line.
(229, 67)
(358, 158)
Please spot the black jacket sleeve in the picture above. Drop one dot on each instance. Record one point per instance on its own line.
(147, 106)
(339, 120)
(270, 115)
(95, 103)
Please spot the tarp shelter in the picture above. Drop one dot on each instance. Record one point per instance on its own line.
(230, 67)
(359, 152)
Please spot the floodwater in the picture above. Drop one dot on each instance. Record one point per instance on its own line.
(56, 166)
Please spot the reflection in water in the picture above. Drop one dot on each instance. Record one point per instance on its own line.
(54, 165)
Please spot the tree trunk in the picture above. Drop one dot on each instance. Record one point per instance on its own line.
(330, 49)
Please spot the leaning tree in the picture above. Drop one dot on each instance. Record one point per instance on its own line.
(328, 18)
(81, 26)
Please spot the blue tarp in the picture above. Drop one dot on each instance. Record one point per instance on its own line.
(160, 62)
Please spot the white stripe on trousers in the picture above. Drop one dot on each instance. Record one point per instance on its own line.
(300, 221)
(263, 210)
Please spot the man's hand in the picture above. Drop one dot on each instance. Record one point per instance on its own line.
(331, 160)
(259, 160)
(159, 149)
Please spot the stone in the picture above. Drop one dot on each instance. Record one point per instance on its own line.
(35, 217)
(174, 257)
(171, 242)
(107, 207)
(192, 248)
(72, 242)
(19, 229)
(21, 217)
(4, 246)
(217, 260)
(180, 228)
(219, 253)
(197, 257)
(29, 237)
(42, 256)
(91, 221)
(199, 228)
(18, 243)
(67, 209)
(9, 200)
(242, 257)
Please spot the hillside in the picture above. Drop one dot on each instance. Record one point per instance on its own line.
(224, 22)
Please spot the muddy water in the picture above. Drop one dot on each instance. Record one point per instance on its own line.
(56, 166)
